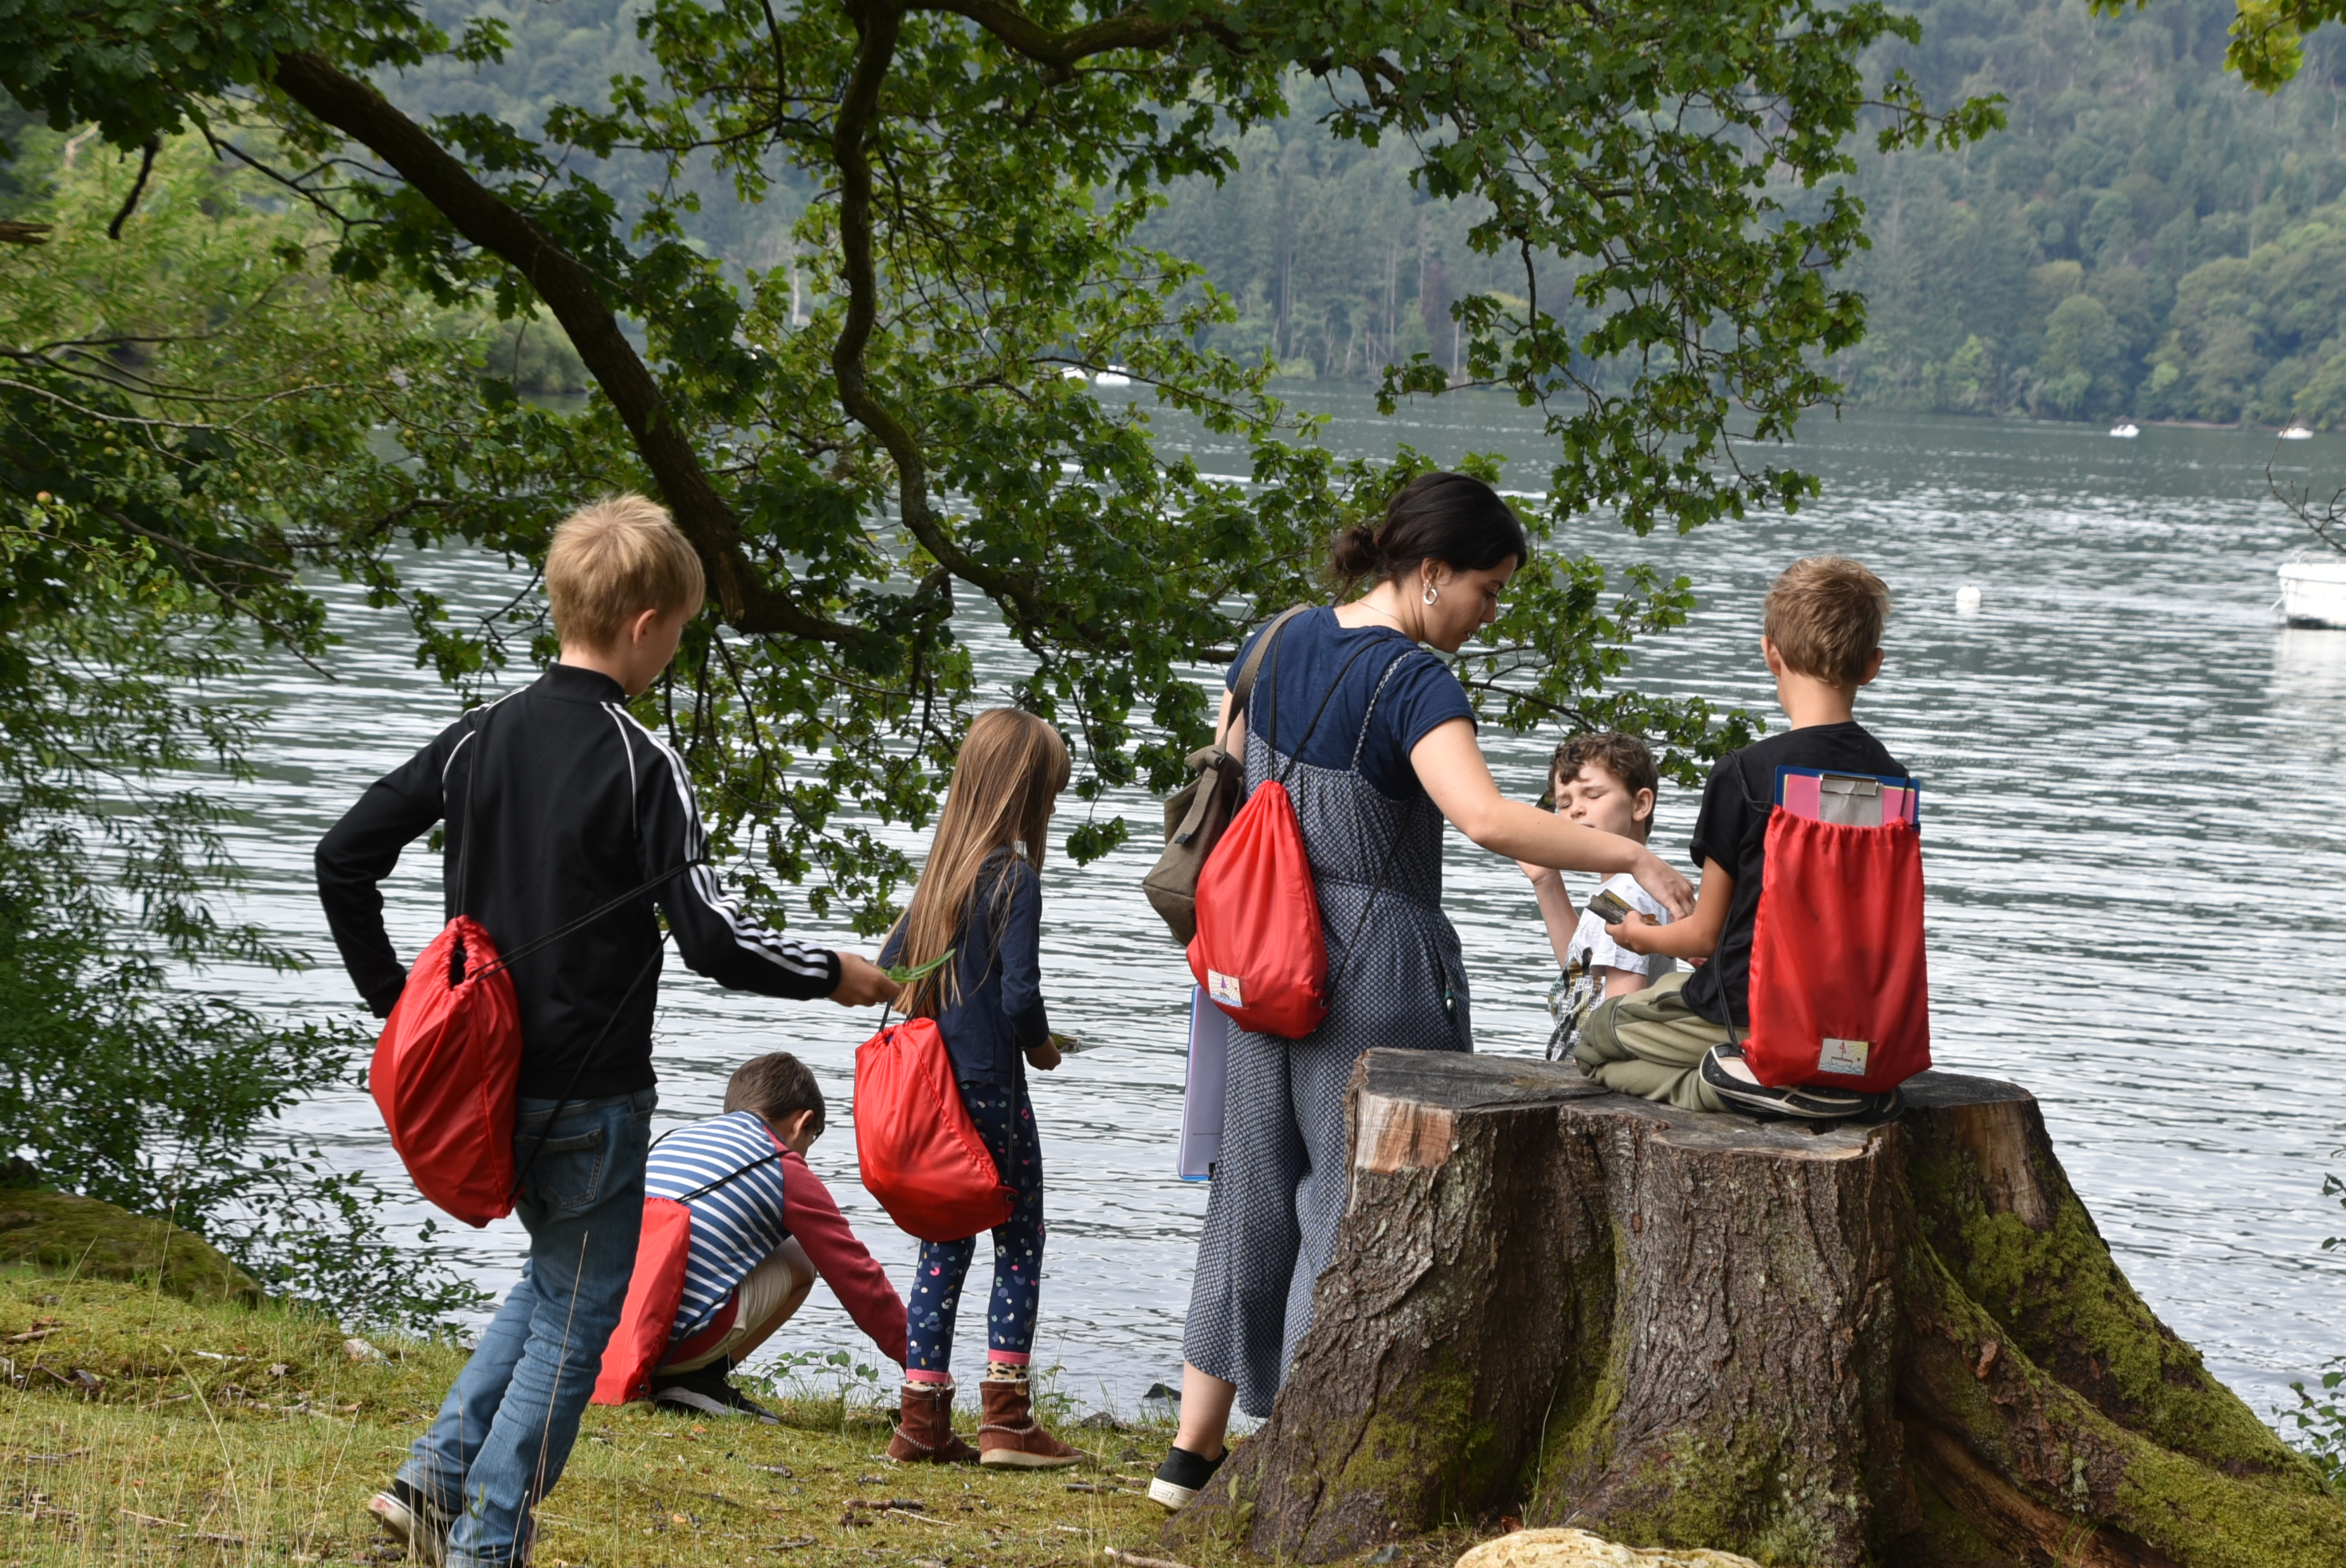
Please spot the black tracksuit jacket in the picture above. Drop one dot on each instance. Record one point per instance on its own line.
(572, 804)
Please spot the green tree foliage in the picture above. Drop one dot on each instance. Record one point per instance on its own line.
(180, 435)
(2200, 215)
(854, 443)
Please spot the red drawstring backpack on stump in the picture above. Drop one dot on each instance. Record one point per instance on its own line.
(1260, 953)
(919, 1152)
(446, 1063)
(654, 1293)
(1840, 992)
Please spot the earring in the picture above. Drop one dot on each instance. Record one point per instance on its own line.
(1431, 593)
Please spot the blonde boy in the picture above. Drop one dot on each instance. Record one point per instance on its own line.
(557, 802)
(1678, 1041)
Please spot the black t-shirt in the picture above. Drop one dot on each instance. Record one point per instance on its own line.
(1733, 830)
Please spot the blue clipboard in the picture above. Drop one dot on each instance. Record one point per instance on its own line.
(1202, 1092)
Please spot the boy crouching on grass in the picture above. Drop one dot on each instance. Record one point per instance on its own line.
(764, 1228)
(1607, 782)
(556, 802)
(1678, 1042)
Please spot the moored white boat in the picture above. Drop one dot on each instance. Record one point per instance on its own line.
(2126, 430)
(2297, 432)
(1114, 376)
(2313, 589)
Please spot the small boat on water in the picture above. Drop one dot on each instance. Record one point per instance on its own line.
(1114, 376)
(2126, 430)
(2313, 588)
(2297, 432)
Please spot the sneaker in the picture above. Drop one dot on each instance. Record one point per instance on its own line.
(419, 1524)
(1731, 1079)
(710, 1392)
(1181, 1477)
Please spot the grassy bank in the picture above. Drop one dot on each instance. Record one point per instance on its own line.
(135, 1426)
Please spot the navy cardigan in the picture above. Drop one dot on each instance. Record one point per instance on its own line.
(998, 955)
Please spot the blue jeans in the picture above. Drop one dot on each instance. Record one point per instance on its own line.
(506, 1430)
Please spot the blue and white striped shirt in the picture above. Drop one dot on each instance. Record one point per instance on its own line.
(734, 1229)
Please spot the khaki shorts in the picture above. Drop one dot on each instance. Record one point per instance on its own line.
(758, 1300)
(1650, 1043)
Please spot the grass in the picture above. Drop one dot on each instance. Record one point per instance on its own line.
(138, 1426)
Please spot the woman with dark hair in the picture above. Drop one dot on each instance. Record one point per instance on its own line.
(1374, 739)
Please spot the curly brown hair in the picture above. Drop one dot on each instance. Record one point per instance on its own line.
(1625, 756)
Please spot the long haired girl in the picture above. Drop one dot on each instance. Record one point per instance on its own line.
(980, 896)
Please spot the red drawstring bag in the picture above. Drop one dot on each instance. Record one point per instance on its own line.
(919, 1152)
(1259, 953)
(654, 1294)
(1840, 992)
(443, 1075)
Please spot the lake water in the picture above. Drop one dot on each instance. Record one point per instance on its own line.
(2138, 888)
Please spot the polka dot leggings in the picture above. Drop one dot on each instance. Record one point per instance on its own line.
(1005, 1121)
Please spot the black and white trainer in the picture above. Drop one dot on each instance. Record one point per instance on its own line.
(708, 1390)
(419, 1524)
(1181, 1477)
(1730, 1077)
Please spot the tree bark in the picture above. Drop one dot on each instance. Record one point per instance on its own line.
(1904, 1346)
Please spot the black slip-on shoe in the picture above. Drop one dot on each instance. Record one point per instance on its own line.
(1731, 1079)
(708, 1390)
(419, 1524)
(1181, 1477)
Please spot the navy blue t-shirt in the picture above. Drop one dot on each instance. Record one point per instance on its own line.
(1421, 697)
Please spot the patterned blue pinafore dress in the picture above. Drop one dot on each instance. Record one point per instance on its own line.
(1279, 1188)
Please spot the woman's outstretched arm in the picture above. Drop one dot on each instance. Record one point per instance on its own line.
(1451, 767)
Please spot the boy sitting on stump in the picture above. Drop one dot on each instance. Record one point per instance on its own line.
(1680, 1040)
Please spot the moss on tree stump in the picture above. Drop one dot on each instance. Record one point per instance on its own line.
(1904, 1346)
(61, 1233)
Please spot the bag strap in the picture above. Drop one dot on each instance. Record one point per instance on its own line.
(1335, 685)
(1392, 848)
(476, 734)
(538, 943)
(1242, 689)
(704, 1188)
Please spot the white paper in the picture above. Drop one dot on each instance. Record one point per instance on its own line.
(1201, 1097)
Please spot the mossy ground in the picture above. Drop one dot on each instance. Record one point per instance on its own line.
(215, 1434)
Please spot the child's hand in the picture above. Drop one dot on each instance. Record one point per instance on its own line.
(1631, 933)
(861, 982)
(1045, 1056)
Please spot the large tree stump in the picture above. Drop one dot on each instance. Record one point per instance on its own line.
(1904, 1344)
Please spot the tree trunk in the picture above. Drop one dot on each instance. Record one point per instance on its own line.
(1904, 1346)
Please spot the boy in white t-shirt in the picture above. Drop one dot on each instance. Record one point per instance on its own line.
(1607, 781)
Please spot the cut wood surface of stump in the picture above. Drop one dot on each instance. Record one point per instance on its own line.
(1904, 1344)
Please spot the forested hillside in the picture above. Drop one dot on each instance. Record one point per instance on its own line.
(2147, 236)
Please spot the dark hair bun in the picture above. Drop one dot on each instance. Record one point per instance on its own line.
(1354, 556)
(1452, 519)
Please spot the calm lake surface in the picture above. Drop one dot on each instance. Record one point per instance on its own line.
(2137, 890)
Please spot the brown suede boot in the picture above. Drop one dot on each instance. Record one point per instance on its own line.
(925, 1433)
(1009, 1434)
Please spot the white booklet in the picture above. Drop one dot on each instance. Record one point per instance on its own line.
(1201, 1096)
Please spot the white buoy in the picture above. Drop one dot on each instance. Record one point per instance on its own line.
(1967, 600)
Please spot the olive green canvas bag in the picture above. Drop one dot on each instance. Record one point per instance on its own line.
(1196, 816)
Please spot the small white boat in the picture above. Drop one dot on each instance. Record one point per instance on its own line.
(2297, 432)
(2126, 430)
(2313, 589)
(1114, 376)
(1073, 374)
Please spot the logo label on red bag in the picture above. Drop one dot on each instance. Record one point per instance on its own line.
(1224, 988)
(1843, 1056)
